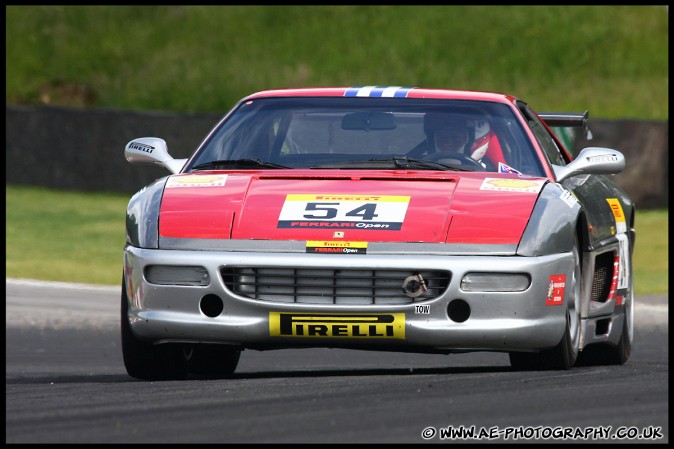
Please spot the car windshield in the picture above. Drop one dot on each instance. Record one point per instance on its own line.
(369, 133)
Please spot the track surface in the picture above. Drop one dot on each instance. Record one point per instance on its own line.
(66, 383)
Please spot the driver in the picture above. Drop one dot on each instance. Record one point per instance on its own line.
(450, 138)
(445, 133)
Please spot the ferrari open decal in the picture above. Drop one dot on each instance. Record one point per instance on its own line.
(334, 247)
(378, 91)
(617, 210)
(363, 325)
(512, 185)
(373, 212)
(196, 181)
(556, 290)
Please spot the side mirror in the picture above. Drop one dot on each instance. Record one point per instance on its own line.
(152, 150)
(592, 160)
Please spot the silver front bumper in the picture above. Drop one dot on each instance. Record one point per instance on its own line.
(497, 321)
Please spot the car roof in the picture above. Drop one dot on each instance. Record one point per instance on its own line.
(385, 91)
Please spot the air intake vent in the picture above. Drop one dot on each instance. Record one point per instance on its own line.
(603, 275)
(332, 286)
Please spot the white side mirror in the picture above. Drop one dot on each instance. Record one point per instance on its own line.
(152, 150)
(592, 160)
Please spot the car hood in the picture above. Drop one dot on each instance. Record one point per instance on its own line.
(381, 206)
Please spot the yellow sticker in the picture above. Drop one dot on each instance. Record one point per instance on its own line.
(320, 325)
(618, 213)
(512, 185)
(336, 247)
(339, 244)
(348, 197)
(196, 181)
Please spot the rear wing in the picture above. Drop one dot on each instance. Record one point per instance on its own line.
(568, 119)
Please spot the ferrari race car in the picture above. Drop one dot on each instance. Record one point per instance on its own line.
(378, 218)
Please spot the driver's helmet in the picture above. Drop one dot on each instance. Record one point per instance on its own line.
(446, 132)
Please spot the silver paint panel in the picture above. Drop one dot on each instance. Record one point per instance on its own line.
(499, 321)
(142, 215)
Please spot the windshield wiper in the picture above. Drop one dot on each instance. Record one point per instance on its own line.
(237, 163)
(395, 162)
(407, 162)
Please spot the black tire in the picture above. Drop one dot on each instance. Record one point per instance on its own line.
(617, 355)
(212, 360)
(565, 354)
(525, 361)
(607, 354)
(146, 361)
(562, 357)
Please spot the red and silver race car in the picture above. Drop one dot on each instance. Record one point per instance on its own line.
(378, 218)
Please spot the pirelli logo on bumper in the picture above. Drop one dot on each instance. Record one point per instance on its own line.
(316, 325)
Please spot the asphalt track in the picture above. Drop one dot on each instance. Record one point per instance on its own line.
(66, 383)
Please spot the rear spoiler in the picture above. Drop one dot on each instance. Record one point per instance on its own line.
(568, 119)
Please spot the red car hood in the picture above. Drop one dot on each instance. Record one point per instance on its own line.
(382, 206)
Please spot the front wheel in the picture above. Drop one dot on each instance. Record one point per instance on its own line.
(561, 357)
(564, 355)
(214, 360)
(144, 360)
(607, 354)
(172, 361)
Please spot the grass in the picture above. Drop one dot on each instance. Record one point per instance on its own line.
(64, 236)
(79, 237)
(651, 258)
(612, 60)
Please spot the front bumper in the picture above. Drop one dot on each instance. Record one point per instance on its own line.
(490, 321)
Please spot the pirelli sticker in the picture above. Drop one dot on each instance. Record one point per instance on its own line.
(196, 181)
(330, 211)
(619, 215)
(319, 325)
(336, 247)
(512, 185)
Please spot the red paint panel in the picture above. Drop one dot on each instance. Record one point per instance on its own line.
(200, 205)
(386, 209)
(382, 206)
(198, 224)
(489, 216)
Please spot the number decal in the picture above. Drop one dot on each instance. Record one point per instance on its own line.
(371, 212)
(366, 211)
(330, 212)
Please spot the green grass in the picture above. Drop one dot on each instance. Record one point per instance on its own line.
(75, 237)
(64, 236)
(612, 60)
(651, 261)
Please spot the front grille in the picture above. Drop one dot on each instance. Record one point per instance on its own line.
(603, 275)
(331, 286)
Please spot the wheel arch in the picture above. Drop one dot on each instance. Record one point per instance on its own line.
(553, 223)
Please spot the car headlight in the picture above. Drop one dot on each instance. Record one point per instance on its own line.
(177, 275)
(495, 282)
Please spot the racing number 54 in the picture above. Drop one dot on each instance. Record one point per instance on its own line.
(365, 212)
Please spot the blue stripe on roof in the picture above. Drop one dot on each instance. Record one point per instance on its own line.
(378, 91)
(352, 91)
(402, 92)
